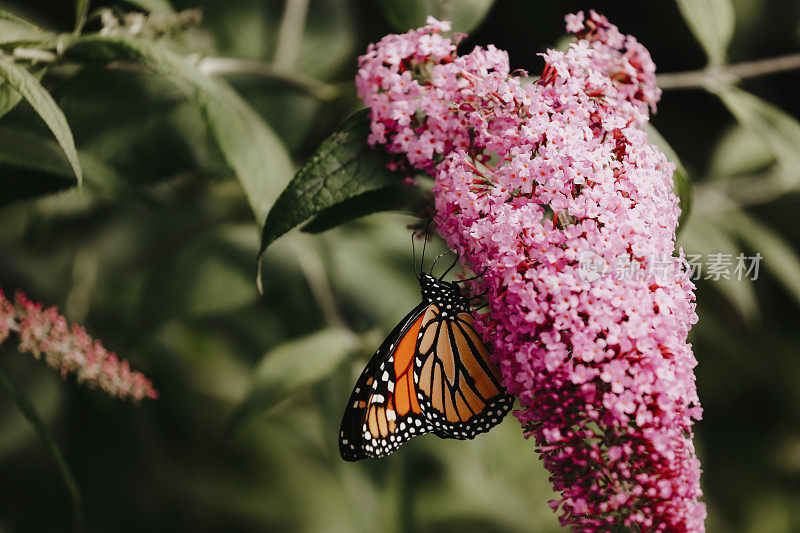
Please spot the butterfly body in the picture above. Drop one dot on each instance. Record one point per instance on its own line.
(431, 374)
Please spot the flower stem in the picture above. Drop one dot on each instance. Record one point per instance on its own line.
(314, 272)
(26, 407)
(733, 193)
(232, 65)
(290, 33)
(714, 75)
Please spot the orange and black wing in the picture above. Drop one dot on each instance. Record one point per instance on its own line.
(383, 410)
(459, 387)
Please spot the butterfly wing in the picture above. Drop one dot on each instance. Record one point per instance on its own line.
(383, 410)
(458, 386)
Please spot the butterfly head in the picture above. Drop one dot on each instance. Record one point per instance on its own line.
(445, 294)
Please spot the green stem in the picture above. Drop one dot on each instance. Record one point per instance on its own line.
(728, 74)
(81, 12)
(290, 33)
(211, 66)
(314, 271)
(26, 407)
(719, 195)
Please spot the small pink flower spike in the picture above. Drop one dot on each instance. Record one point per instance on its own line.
(44, 333)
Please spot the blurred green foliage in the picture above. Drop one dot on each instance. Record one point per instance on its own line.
(185, 134)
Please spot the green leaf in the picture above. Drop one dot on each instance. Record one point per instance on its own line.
(40, 100)
(9, 98)
(81, 11)
(249, 146)
(739, 152)
(780, 257)
(682, 184)
(329, 40)
(712, 22)
(705, 235)
(408, 199)
(292, 366)
(34, 166)
(16, 31)
(343, 167)
(142, 125)
(11, 17)
(777, 131)
(466, 15)
(27, 408)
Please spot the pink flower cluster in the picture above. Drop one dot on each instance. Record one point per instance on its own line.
(530, 175)
(69, 349)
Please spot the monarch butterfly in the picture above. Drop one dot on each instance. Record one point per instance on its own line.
(431, 374)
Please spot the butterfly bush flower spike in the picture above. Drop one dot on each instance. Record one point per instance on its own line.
(529, 179)
(44, 333)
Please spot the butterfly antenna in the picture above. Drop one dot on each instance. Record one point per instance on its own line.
(436, 259)
(424, 245)
(449, 268)
(479, 295)
(414, 254)
(473, 277)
